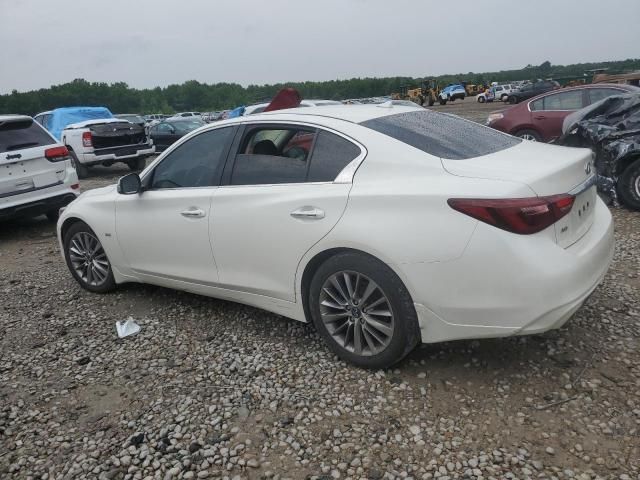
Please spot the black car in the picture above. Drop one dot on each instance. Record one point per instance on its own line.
(531, 90)
(167, 132)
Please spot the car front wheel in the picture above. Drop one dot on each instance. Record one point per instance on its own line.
(87, 259)
(363, 311)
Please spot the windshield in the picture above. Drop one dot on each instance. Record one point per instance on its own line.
(442, 135)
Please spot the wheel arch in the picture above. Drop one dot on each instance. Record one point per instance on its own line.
(319, 258)
(66, 225)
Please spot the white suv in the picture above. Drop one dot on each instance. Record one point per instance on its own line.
(36, 173)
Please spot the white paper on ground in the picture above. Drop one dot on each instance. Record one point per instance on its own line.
(127, 328)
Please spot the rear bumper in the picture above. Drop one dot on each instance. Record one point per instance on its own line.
(116, 154)
(37, 205)
(506, 284)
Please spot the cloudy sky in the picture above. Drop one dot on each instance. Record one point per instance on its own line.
(147, 43)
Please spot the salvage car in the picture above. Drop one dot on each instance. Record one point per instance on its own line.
(531, 90)
(375, 223)
(166, 133)
(611, 128)
(132, 117)
(540, 119)
(94, 137)
(36, 173)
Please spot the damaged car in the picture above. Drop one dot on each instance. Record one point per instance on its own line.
(611, 129)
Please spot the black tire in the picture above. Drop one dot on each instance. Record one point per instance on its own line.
(432, 100)
(137, 164)
(442, 101)
(530, 135)
(81, 170)
(52, 215)
(104, 286)
(628, 186)
(513, 100)
(405, 332)
(481, 99)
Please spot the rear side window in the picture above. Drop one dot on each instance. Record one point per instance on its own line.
(20, 134)
(597, 94)
(330, 155)
(442, 135)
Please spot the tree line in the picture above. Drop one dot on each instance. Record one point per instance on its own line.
(195, 96)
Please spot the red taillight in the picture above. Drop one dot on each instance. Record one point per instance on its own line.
(75, 186)
(86, 139)
(523, 216)
(56, 154)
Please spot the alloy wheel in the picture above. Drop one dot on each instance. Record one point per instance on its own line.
(637, 186)
(88, 259)
(356, 313)
(528, 136)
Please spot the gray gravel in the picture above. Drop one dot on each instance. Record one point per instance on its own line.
(211, 389)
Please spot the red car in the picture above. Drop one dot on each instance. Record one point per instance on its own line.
(540, 118)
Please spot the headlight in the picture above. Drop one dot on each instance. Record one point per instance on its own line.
(494, 117)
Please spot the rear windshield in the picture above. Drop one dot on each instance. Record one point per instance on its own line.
(17, 135)
(442, 135)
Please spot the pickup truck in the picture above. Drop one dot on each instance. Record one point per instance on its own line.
(94, 137)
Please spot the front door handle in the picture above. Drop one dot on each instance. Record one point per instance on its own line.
(540, 117)
(193, 213)
(311, 213)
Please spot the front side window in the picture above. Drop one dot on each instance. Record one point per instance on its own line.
(195, 163)
(164, 128)
(571, 100)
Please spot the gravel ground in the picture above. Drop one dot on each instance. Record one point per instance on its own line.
(212, 389)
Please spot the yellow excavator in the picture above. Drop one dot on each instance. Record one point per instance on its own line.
(426, 94)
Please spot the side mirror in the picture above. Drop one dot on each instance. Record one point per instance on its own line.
(129, 184)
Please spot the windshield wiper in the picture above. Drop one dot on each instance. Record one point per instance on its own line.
(22, 145)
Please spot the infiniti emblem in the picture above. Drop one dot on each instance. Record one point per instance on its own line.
(587, 168)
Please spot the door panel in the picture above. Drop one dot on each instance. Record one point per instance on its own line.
(160, 235)
(258, 243)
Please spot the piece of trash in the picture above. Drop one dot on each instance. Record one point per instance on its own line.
(127, 328)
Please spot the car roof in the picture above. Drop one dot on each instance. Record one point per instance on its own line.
(349, 113)
(628, 88)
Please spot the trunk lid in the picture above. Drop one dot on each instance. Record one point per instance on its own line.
(547, 170)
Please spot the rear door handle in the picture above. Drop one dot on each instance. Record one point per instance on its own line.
(193, 213)
(311, 213)
(540, 117)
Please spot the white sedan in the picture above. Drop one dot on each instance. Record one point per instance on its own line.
(384, 226)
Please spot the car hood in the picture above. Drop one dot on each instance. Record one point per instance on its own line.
(96, 192)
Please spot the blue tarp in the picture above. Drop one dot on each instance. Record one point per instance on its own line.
(61, 117)
(236, 112)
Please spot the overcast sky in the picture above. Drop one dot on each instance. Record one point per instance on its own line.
(148, 43)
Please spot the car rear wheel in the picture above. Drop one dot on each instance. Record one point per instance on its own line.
(513, 100)
(481, 100)
(87, 259)
(81, 170)
(363, 311)
(628, 186)
(530, 135)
